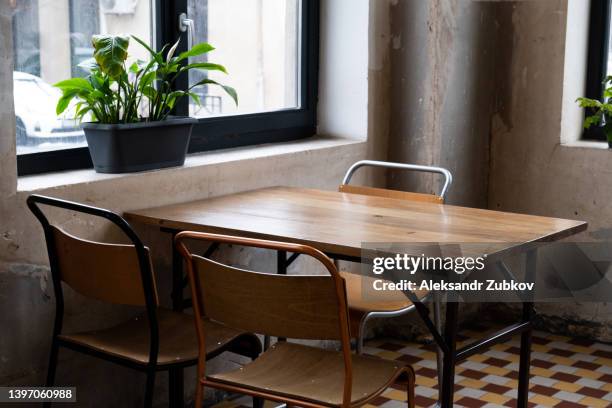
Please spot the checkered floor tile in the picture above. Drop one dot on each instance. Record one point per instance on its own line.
(566, 373)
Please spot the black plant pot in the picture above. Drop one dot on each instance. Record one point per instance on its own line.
(127, 148)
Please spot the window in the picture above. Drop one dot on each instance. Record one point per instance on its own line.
(270, 48)
(599, 57)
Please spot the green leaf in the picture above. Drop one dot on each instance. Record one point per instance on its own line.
(592, 120)
(147, 79)
(144, 44)
(74, 83)
(207, 66)
(110, 52)
(134, 68)
(173, 96)
(63, 102)
(196, 50)
(195, 97)
(588, 103)
(149, 92)
(228, 89)
(156, 55)
(231, 92)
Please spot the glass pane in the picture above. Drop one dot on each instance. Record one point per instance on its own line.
(258, 42)
(50, 38)
(609, 61)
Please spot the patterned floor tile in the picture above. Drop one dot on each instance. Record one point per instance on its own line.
(566, 373)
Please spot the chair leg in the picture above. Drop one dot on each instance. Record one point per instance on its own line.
(149, 387)
(438, 324)
(410, 390)
(52, 367)
(361, 334)
(199, 394)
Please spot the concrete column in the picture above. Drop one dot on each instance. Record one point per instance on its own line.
(442, 94)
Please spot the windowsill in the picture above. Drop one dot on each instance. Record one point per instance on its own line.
(86, 176)
(587, 144)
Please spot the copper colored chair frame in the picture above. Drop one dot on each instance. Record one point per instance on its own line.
(281, 247)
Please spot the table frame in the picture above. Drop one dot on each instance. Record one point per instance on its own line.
(345, 249)
(446, 341)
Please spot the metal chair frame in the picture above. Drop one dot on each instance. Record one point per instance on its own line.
(33, 203)
(436, 297)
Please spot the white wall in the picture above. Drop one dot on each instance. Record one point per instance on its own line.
(343, 72)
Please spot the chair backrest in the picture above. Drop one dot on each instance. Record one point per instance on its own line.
(107, 272)
(305, 307)
(113, 273)
(293, 306)
(345, 187)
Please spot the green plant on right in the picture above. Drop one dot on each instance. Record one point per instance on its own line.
(602, 110)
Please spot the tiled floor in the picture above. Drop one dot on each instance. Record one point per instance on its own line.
(565, 372)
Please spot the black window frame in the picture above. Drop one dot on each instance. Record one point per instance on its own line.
(224, 131)
(597, 62)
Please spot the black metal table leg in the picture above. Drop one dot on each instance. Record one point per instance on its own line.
(281, 262)
(447, 389)
(525, 358)
(177, 278)
(176, 377)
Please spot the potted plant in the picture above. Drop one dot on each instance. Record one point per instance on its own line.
(130, 104)
(602, 111)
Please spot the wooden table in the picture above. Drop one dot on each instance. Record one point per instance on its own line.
(338, 224)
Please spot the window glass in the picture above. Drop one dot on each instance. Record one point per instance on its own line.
(608, 56)
(50, 38)
(258, 42)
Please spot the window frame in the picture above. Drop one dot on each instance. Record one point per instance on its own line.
(597, 60)
(224, 131)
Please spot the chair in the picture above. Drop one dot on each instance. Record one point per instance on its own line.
(290, 306)
(364, 302)
(159, 339)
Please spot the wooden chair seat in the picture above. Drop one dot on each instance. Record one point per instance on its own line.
(177, 339)
(362, 297)
(312, 374)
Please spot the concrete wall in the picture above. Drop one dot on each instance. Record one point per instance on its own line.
(478, 87)
(531, 172)
(441, 93)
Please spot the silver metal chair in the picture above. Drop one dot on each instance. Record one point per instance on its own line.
(407, 306)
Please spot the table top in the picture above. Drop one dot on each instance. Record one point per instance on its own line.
(338, 223)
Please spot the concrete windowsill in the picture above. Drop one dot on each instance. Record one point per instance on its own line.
(87, 176)
(587, 144)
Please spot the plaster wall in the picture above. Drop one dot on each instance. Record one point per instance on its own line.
(531, 171)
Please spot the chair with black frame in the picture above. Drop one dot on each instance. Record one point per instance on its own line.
(364, 302)
(308, 307)
(159, 339)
